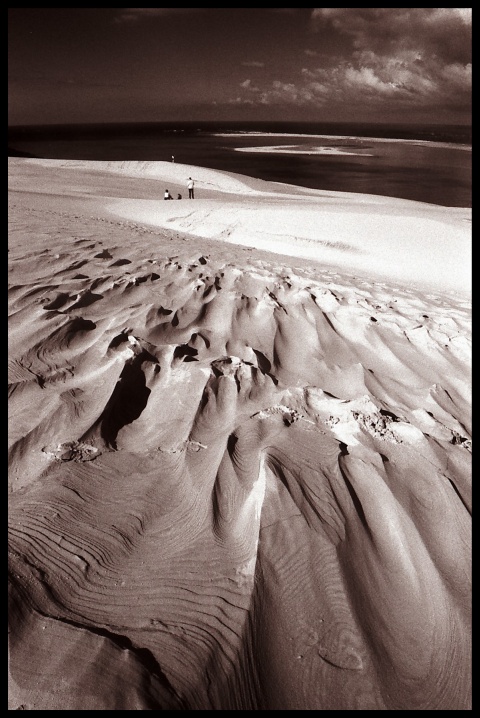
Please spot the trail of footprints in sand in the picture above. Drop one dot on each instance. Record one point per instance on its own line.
(237, 505)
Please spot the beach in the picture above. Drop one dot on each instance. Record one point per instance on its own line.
(239, 443)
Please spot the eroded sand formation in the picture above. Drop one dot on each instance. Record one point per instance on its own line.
(234, 485)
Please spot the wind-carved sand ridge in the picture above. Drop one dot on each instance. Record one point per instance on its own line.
(235, 482)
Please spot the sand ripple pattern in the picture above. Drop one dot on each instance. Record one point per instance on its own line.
(234, 488)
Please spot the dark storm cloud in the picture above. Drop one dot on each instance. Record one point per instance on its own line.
(444, 32)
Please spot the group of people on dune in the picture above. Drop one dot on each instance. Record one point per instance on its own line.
(190, 187)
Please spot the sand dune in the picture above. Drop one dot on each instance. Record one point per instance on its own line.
(238, 479)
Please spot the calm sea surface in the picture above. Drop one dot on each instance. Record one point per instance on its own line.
(429, 164)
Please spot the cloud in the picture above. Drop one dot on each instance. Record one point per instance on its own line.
(402, 80)
(282, 93)
(410, 57)
(247, 85)
(459, 76)
(446, 32)
(240, 101)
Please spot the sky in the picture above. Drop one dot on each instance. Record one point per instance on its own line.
(80, 65)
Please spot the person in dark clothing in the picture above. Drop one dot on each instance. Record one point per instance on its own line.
(167, 195)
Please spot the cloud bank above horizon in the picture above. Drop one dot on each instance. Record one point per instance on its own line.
(127, 64)
(403, 55)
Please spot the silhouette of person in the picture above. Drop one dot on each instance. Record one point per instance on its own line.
(179, 196)
(173, 158)
(190, 188)
(167, 195)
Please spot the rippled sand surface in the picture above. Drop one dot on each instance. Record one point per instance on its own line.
(238, 479)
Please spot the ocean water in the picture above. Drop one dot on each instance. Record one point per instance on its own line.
(424, 163)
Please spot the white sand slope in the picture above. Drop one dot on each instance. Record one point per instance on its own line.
(355, 236)
(375, 236)
(238, 480)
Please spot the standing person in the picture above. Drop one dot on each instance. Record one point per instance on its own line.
(190, 188)
(167, 195)
(173, 158)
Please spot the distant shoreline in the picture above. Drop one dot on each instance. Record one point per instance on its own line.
(429, 164)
